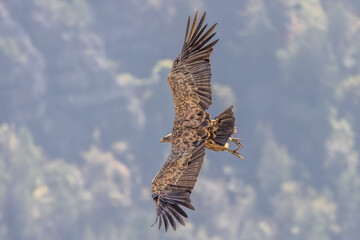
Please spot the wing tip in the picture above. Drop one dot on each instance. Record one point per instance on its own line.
(193, 34)
(168, 210)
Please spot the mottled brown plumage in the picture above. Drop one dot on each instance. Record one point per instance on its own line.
(220, 132)
(189, 82)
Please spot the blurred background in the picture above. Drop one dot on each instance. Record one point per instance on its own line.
(84, 102)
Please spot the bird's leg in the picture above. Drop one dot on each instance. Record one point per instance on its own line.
(235, 152)
(237, 142)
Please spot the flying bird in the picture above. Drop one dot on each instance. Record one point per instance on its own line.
(193, 129)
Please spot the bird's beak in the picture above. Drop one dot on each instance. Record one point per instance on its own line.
(162, 140)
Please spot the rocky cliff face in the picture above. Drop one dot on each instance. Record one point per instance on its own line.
(56, 76)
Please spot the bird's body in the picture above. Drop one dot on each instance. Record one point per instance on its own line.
(219, 132)
(193, 130)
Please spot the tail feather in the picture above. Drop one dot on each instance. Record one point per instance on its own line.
(226, 126)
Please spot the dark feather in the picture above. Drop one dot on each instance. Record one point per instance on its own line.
(187, 29)
(170, 218)
(166, 223)
(193, 25)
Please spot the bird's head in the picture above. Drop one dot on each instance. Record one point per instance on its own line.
(167, 138)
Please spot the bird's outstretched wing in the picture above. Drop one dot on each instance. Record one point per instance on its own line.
(189, 81)
(172, 186)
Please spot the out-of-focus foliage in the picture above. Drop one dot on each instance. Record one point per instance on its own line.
(84, 101)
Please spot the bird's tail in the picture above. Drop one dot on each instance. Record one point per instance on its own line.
(225, 126)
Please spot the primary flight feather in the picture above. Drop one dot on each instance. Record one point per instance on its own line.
(193, 130)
